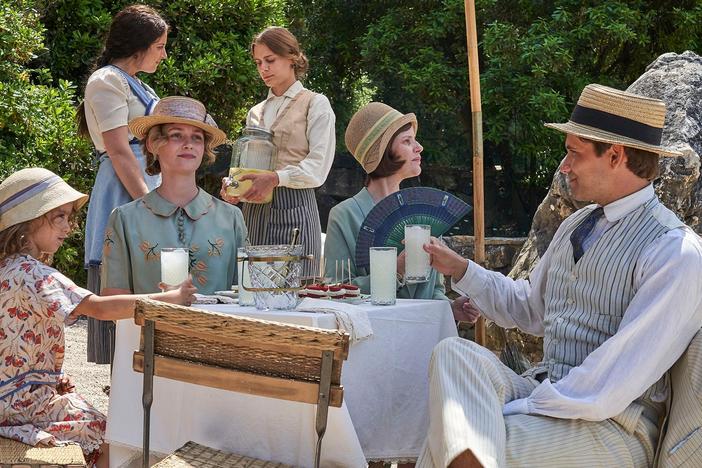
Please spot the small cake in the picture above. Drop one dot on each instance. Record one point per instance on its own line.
(352, 291)
(336, 291)
(317, 291)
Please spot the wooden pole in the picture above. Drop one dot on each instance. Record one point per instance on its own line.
(477, 119)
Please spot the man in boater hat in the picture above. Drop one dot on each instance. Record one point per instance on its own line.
(617, 297)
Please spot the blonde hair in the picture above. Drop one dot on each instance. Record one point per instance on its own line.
(282, 42)
(156, 138)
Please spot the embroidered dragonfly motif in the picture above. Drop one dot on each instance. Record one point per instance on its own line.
(215, 248)
(149, 250)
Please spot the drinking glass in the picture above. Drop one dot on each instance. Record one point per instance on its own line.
(246, 298)
(175, 264)
(417, 268)
(383, 273)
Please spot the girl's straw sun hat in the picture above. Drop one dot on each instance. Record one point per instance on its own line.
(178, 109)
(618, 117)
(30, 193)
(370, 130)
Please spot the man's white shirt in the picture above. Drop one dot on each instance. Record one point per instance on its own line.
(657, 326)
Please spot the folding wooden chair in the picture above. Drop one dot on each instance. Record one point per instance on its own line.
(239, 354)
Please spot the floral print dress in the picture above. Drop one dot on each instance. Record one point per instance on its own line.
(35, 303)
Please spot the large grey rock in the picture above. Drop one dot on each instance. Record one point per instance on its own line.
(677, 80)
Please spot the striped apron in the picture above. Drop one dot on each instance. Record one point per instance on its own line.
(272, 223)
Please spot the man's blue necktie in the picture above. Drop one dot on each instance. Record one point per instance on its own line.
(578, 236)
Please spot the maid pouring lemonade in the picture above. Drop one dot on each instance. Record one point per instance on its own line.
(300, 124)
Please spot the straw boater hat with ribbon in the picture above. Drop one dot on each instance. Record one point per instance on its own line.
(618, 117)
(30, 193)
(370, 130)
(178, 109)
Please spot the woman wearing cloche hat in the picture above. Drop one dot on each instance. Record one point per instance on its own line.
(37, 404)
(177, 137)
(383, 142)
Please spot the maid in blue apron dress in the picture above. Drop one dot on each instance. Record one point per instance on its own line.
(136, 42)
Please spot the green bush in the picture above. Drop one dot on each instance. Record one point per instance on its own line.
(208, 56)
(37, 120)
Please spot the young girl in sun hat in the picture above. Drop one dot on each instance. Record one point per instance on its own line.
(36, 301)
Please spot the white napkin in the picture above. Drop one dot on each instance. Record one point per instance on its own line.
(213, 299)
(349, 317)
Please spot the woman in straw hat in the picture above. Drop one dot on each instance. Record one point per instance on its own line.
(37, 405)
(177, 137)
(302, 123)
(136, 42)
(383, 142)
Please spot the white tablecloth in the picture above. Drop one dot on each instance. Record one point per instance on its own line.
(385, 397)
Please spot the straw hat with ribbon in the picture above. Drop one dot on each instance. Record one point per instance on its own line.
(178, 109)
(370, 130)
(618, 117)
(31, 193)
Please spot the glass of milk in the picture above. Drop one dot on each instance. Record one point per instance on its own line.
(175, 264)
(417, 267)
(246, 298)
(383, 273)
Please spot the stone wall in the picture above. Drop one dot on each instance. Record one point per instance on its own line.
(500, 252)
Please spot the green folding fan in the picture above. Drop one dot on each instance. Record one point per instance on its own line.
(385, 224)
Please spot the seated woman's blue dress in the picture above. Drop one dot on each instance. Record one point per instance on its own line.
(344, 223)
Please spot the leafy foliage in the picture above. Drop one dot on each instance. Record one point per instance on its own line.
(535, 58)
(208, 60)
(37, 120)
(208, 48)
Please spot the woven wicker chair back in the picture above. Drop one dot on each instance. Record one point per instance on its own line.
(243, 344)
(240, 354)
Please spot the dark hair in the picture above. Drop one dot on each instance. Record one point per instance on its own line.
(282, 42)
(642, 163)
(389, 164)
(132, 30)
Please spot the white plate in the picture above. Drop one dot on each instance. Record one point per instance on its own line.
(232, 294)
(355, 300)
(348, 300)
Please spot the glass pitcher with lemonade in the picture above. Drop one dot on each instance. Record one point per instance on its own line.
(254, 152)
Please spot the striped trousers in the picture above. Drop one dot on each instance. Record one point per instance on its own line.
(272, 223)
(468, 388)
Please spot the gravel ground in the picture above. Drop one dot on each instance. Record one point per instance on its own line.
(88, 378)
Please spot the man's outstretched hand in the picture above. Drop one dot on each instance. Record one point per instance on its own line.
(445, 260)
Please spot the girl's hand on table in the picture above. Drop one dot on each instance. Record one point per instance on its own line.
(183, 294)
